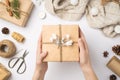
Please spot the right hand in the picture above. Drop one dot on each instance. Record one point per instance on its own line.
(84, 53)
(85, 60)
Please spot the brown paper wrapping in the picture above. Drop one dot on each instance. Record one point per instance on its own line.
(114, 65)
(25, 6)
(4, 73)
(104, 2)
(62, 54)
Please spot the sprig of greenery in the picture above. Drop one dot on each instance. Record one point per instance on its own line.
(15, 5)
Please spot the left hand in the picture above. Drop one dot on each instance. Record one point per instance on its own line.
(84, 52)
(40, 55)
(41, 67)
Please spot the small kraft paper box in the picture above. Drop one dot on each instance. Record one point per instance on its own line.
(61, 43)
(4, 73)
(17, 16)
(114, 65)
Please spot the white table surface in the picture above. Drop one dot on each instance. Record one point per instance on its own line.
(97, 43)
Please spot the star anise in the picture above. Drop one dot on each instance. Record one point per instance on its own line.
(105, 54)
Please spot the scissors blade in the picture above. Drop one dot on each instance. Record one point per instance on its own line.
(25, 53)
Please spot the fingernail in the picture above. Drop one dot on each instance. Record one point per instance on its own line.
(45, 52)
(80, 39)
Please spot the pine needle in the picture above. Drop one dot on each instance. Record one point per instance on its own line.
(15, 6)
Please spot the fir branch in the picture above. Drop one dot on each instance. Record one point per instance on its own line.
(15, 5)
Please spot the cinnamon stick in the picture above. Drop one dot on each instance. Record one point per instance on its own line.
(9, 11)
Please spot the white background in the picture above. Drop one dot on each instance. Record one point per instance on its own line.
(97, 43)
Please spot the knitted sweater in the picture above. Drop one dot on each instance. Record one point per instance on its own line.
(107, 18)
(65, 10)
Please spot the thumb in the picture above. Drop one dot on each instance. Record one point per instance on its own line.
(81, 45)
(43, 55)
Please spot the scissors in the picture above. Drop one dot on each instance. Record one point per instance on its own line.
(14, 61)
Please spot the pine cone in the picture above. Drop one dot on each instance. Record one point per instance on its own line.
(116, 49)
(113, 77)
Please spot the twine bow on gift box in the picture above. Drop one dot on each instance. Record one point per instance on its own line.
(65, 41)
(13, 8)
(60, 42)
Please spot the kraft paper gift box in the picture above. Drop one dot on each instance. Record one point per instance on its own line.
(60, 52)
(25, 10)
(4, 73)
(114, 65)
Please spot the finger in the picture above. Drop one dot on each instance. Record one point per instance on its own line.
(43, 55)
(40, 44)
(81, 45)
(82, 36)
(83, 53)
(84, 40)
(79, 32)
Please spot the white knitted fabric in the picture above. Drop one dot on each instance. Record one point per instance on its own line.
(65, 10)
(107, 18)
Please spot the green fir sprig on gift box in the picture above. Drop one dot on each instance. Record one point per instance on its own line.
(14, 8)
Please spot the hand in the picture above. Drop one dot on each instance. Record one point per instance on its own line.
(85, 60)
(41, 67)
(84, 56)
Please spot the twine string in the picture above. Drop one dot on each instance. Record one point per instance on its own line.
(11, 9)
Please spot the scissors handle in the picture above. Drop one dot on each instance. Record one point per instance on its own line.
(10, 62)
(18, 70)
(12, 65)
